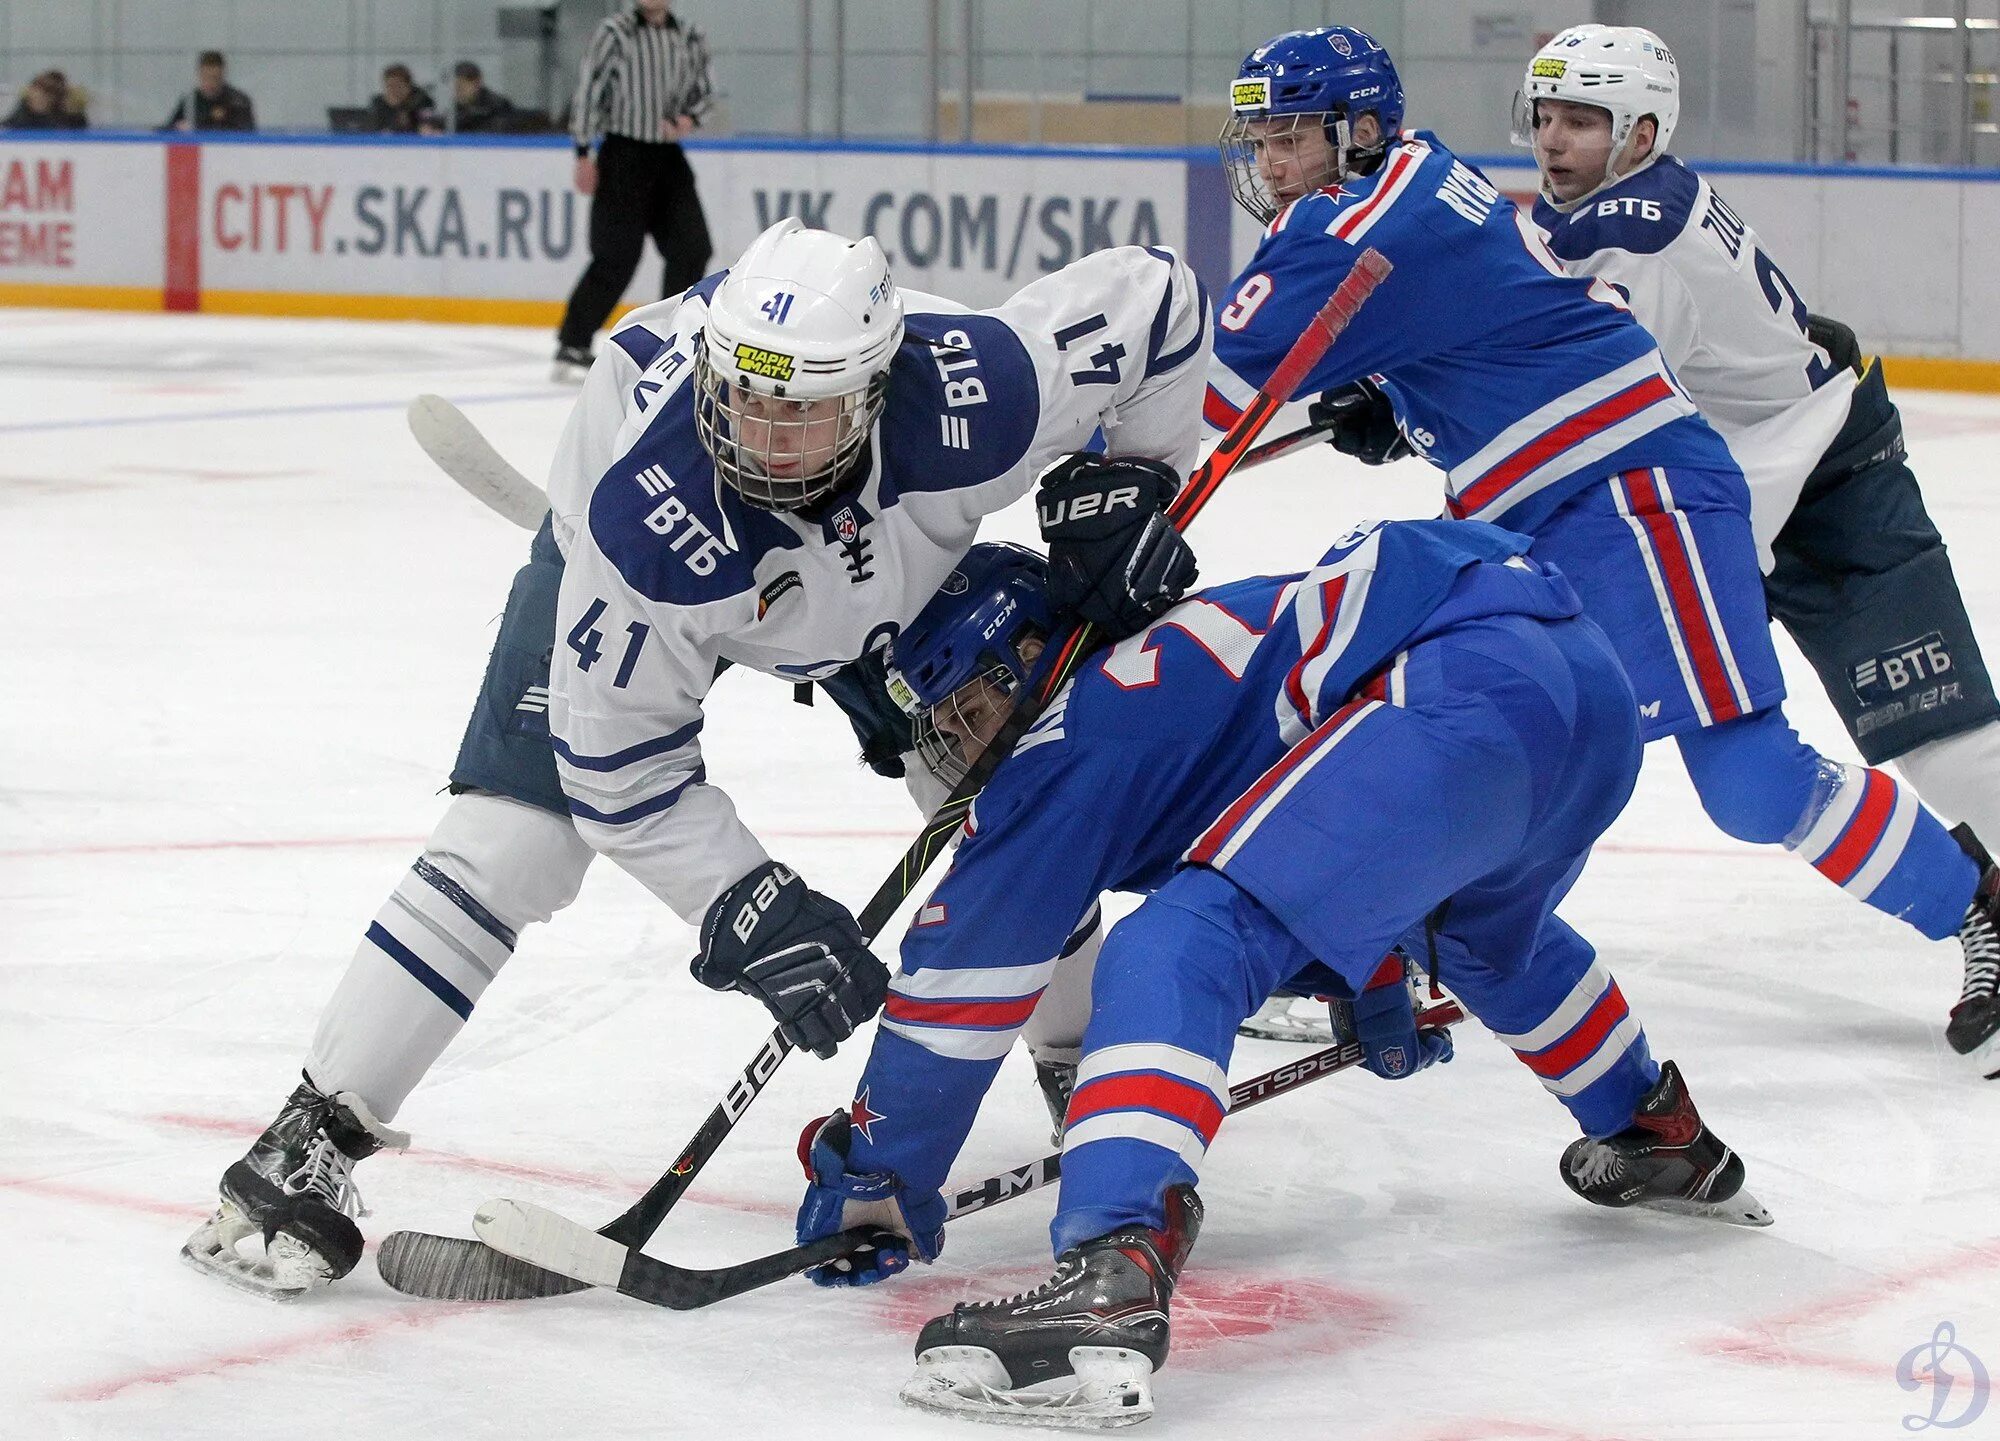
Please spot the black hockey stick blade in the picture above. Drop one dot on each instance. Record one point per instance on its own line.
(554, 1241)
(454, 1268)
(457, 1268)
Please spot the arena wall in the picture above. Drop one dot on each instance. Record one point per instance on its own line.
(490, 231)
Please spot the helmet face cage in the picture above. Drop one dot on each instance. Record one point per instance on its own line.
(977, 709)
(750, 432)
(1245, 136)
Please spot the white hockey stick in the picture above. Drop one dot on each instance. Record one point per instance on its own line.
(461, 452)
(449, 437)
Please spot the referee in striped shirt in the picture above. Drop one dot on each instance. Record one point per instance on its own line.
(645, 84)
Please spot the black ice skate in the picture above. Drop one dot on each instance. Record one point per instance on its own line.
(572, 363)
(1077, 1351)
(1974, 1029)
(1055, 1075)
(1666, 1160)
(294, 1191)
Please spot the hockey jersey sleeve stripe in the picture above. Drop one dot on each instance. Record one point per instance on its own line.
(1403, 167)
(1176, 1137)
(640, 343)
(1218, 412)
(1613, 1049)
(1241, 821)
(1156, 1056)
(618, 760)
(1156, 362)
(1582, 1041)
(942, 982)
(1177, 1100)
(955, 1043)
(409, 960)
(639, 812)
(1480, 500)
(976, 1014)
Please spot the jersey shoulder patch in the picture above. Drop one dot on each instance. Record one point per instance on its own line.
(1642, 215)
(964, 405)
(659, 517)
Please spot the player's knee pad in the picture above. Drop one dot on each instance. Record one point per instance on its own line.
(1057, 1024)
(1755, 777)
(519, 861)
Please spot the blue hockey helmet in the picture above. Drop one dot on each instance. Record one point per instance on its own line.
(1291, 90)
(955, 667)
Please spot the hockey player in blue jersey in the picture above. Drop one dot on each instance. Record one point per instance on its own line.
(1551, 411)
(773, 470)
(1854, 568)
(1285, 764)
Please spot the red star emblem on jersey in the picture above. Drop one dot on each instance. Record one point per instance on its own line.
(863, 1117)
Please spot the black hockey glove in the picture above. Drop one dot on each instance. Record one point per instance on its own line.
(861, 689)
(1113, 558)
(1363, 423)
(801, 953)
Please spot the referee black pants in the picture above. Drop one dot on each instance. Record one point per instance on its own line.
(642, 190)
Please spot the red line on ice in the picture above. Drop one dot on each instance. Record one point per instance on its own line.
(458, 1161)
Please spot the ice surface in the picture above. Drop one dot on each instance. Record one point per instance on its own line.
(244, 619)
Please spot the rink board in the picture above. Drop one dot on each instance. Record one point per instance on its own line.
(492, 231)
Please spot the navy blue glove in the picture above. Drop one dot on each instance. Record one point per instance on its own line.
(1113, 558)
(836, 1198)
(1383, 1019)
(801, 953)
(1363, 423)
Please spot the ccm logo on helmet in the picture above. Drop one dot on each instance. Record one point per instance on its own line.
(770, 364)
(752, 910)
(1082, 507)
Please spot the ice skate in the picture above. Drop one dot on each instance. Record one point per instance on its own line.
(1974, 1029)
(1056, 1078)
(293, 1198)
(1666, 1160)
(1078, 1351)
(1290, 1018)
(571, 365)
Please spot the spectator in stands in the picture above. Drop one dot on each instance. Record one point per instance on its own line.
(479, 109)
(48, 102)
(213, 104)
(403, 107)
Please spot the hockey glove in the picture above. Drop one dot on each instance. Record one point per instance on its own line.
(1113, 558)
(1384, 1020)
(801, 953)
(1363, 423)
(836, 1198)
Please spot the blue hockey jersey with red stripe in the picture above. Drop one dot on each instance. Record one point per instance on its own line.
(1522, 383)
(1140, 754)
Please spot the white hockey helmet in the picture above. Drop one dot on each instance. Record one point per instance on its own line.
(1621, 69)
(793, 368)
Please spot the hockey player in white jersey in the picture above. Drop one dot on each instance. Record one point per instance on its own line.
(1854, 568)
(775, 469)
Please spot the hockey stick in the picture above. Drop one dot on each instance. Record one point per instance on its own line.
(444, 1267)
(537, 1236)
(461, 452)
(449, 437)
(458, 1268)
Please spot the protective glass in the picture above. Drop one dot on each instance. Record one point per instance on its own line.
(779, 453)
(1522, 129)
(1297, 154)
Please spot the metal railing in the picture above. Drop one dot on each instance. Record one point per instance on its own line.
(1916, 90)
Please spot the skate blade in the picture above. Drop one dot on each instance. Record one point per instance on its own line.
(1986, 1057)
(1741, 1209)
(1110, 1387)
(285, 1274)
